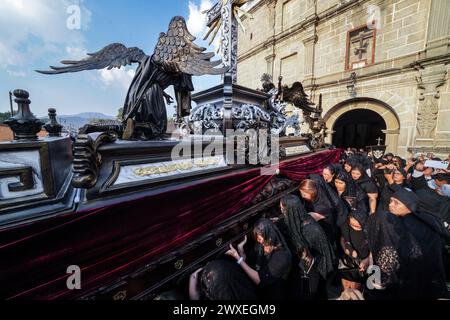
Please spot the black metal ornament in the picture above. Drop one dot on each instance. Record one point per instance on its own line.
(24, 124)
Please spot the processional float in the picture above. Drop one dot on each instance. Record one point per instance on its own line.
(130, 208)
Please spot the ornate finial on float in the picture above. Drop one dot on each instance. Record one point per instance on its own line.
(24, 124)
(280, 95)
(53, 127)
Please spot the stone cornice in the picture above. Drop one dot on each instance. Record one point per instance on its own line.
(422, 63)
(297, 28)
(310, 40)
(257, 6)
(444, 59)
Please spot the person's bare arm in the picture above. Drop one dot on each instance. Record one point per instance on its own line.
(316, 216)
(409, 165)
(241, 250)
(389, 178)
(373, 202)
(194, 292)
(346, 251)
(251, 273)
(351, 295)
(364, 264)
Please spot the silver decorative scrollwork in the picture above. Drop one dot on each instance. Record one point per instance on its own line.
(226, 35)
(245, 117)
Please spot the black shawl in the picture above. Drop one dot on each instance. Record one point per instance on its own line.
(305, 233)
(272, 235)
(388, 191)
(274, 268)
(433, 203)
(408, 251)
(224, 281)
(357, 240)
(355, 198)
(352, 162)
(366, 184)
(322, 205)
(340, 211)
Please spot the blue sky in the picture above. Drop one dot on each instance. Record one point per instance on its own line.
(34, 35)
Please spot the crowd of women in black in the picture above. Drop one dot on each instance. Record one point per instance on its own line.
(362, 229)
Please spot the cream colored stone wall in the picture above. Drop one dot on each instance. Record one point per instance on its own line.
(293, 48)
(250, 71)
(443, 124)
(257, 30)
(397, 91)
(408, 48)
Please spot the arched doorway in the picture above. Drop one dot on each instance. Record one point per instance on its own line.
(358, 129)
(340, 116)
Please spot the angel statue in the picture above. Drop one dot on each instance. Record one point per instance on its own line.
(175, 60)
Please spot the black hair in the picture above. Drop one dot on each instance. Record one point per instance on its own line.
(331, 168)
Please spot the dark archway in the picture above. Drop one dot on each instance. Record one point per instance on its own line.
(359, 128)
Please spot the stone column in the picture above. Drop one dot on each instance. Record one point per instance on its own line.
(438, 28)
(430, 81)
(392, 140)
(309, 43)
(270, 63)
(432, 78)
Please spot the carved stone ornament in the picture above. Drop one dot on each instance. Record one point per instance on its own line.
(427, 114)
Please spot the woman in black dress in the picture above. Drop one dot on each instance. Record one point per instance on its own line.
(273, 261)
(221, 280)
(356, 254)
(407, 246)
(367, 185)
(313, 252)
(349, 164)
(351, 193)
(320, 207)
(328, 174)
(326, 182)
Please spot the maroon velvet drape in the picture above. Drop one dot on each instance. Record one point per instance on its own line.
(112, 241)
(300, 168)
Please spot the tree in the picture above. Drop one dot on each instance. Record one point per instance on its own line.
(4, 116)
(99, 121)
(120, 114)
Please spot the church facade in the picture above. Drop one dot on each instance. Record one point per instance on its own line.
(381, 66)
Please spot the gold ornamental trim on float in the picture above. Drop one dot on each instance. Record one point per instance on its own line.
(292, 151)
(184, 166)
(168, 169)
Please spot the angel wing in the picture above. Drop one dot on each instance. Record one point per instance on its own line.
(114, 55)
(176, 52)
(296, 95)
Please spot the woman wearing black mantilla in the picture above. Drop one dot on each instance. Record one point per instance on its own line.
(273, 261)
(313, 252)
(407, 245)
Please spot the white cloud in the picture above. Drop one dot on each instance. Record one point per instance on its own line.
(76, 52)
(117, 77)
(19, 74)
(38, 23)
(31, 29)
(196, 22)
